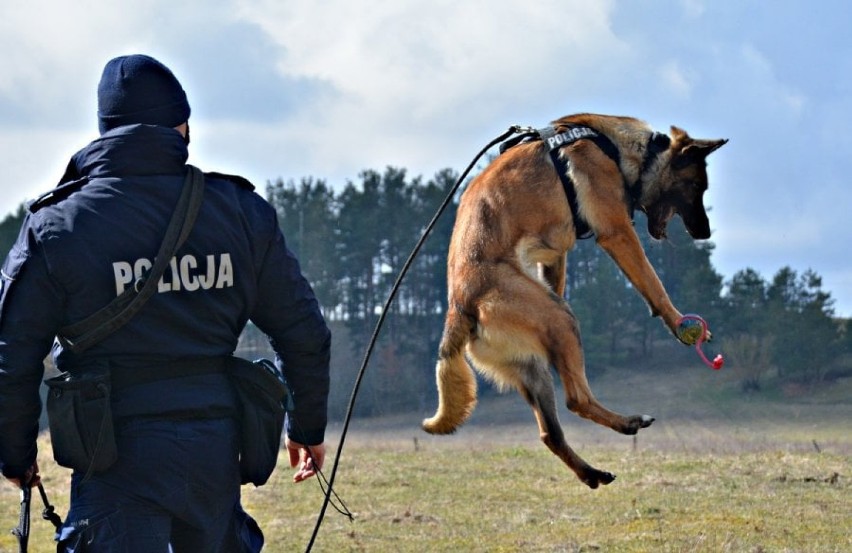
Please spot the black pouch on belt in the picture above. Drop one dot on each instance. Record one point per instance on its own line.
(80, 418)
(264, 400)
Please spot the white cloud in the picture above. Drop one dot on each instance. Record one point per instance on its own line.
(774, 91)
(693, 8)
(679, 81)
(54, 52)
(417, 78)
(37, 161)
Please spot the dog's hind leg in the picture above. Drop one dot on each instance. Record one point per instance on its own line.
(455, 378)
(536, 387)
(566, 354)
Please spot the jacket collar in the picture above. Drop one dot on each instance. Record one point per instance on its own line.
(130, 150)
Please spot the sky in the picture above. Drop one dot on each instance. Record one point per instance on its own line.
(329, 88)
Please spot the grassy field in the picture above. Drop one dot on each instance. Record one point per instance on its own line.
(717, 472)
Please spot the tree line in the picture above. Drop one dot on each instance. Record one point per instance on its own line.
(353, 240)
(353, 243)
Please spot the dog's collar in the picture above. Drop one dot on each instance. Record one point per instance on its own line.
(657, 143)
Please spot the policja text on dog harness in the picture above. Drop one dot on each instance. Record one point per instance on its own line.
(554, 141)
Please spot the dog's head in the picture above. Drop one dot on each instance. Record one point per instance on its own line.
(680, 186)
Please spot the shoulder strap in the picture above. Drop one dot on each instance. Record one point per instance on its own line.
(83, 334)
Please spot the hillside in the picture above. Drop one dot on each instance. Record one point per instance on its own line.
(695, 409)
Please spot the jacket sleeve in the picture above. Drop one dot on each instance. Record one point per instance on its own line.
(288, 313)
(30, 311)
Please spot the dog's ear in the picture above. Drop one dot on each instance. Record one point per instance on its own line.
(700, 149)
(679, 135)
(682, 142)
(707, 147)
(689, 150)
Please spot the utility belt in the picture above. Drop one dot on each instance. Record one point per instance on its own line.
(82, 424)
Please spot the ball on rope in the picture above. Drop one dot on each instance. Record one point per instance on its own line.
(690, 330)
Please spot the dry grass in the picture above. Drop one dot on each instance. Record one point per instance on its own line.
(716, 473)
(520, 499)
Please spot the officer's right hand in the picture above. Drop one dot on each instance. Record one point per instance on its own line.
(31, 478)
(307, 459)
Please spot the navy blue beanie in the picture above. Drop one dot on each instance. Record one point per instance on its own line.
(139, 89)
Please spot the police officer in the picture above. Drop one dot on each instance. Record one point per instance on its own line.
(176, 481)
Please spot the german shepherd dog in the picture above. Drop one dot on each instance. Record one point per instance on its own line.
(506, 264)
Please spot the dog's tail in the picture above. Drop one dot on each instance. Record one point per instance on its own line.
(455, 378)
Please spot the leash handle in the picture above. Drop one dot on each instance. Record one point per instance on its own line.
(22, 531)
(718, 361)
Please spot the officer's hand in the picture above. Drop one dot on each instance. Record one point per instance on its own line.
(307, 459)
(31, 478)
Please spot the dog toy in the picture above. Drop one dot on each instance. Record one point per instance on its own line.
(692, 330)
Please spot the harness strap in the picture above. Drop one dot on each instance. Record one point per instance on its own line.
(581, 228)
(657, 142)
(554, 142)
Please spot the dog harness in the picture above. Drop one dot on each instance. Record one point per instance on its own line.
(555, 141)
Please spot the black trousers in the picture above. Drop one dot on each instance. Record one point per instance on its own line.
(175, 488)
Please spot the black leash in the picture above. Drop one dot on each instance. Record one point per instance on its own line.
(515, 129)
(49, 512)
(22, 531)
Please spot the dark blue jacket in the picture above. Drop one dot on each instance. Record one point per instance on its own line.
(82, 244)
